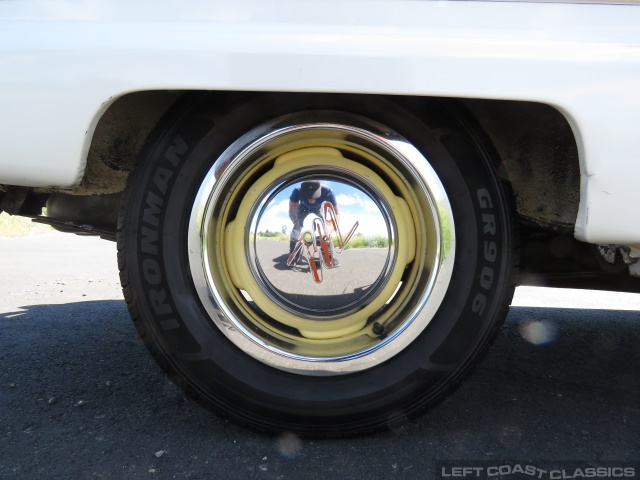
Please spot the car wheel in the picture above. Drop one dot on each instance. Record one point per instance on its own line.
(312, 346)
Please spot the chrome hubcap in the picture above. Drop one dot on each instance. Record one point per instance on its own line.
(295, 296)
(305, 273)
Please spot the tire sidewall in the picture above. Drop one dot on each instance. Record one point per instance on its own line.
(161, 196)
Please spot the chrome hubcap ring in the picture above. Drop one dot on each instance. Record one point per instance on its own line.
(369, 303)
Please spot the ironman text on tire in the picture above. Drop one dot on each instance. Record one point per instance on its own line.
(340, 339)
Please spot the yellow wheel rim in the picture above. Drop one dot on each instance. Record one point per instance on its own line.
(244, 295)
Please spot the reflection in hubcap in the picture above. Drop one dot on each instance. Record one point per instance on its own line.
(300, 272)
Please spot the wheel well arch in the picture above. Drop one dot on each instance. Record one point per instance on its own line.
(535, 143)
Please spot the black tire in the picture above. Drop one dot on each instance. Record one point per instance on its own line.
(190, 337)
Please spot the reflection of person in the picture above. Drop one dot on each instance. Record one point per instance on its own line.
(306, 199)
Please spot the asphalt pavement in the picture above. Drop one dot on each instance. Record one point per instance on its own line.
(80, 398)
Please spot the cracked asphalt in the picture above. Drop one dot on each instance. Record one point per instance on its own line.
(80, 398)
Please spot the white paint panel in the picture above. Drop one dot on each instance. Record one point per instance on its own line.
(61, 61)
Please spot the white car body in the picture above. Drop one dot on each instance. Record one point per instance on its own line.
(63, 63)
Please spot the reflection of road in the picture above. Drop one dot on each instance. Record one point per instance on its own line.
(359, 267)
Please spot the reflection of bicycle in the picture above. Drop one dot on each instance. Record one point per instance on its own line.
(317, 243)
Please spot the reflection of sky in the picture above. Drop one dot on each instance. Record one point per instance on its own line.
(353, 205)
